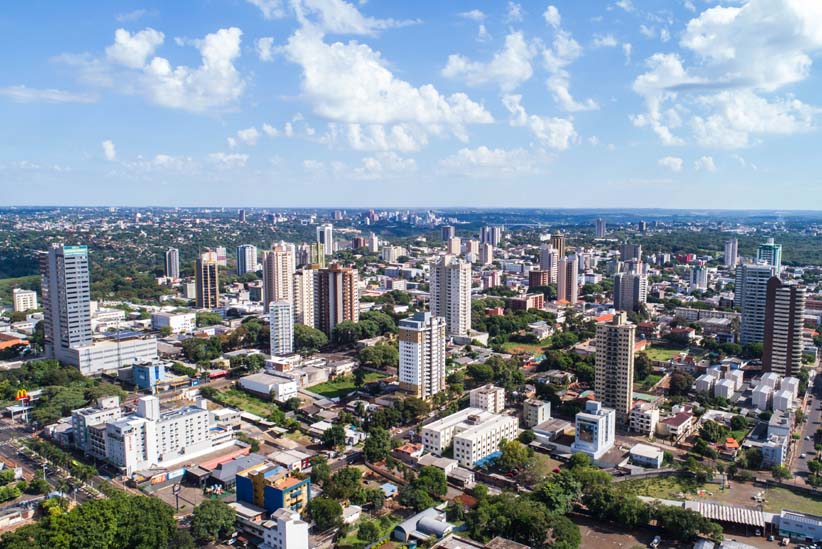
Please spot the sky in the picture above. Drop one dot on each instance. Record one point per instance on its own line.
(384, 103)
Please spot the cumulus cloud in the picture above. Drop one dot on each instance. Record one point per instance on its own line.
(515, 13)
(271, 9)
(24, 94)
(350, 83)
(249, 136)
(388, 165)
(265, 48)
(473, 15)
(671, 163)
(554, 133)
(563, 52)
(510, 67)
(741, 53)
(552, 16)
(705, 164)
(340, 17)
(605, 41)
(483, 162)
(133, 50)
(228, 160)
(109, 150)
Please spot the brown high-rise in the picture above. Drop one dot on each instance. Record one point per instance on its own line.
(784, 320)
(206, 278)
(337, 297)
(539, 278)
(558, 243)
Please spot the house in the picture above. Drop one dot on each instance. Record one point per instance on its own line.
(425, 525)
(677, 426)
(646, 455)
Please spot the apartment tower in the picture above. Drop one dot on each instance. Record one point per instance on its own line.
(450, 282)
(614, 380)
(422, 355)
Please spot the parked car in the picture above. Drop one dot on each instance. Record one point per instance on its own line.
(655, 542)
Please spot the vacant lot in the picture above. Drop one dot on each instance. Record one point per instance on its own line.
(664, 352)
(243, 401)
(341, 386)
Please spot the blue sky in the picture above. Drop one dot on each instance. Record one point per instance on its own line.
(674, 103)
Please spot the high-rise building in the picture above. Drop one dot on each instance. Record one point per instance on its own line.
(66, 293)
(630, 291)
(305, 281)
(486, 254)
(285, 530)
(698, 277)
(731, 252)
(558, 243)
(600, 228)
(337, 297)
(278, 274)
(206, 277)
(281, 317)
(549, 262)
(173, 263)
(642, 226)
(447, 232)
(325, 236)
(491, 235)
(614, 379)
(539, 278)
(246, 259)
(750, 295)
(357, 242)
(422, 355)
(784, 320)
(23, 300)
(595, 430)
(453, 246)
(630, 251)
(373, 243)
(450, 288)
(567, 280)
(221, 256)
(241, 216)
(770, 253)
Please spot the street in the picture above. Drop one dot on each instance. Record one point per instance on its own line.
(813, 410)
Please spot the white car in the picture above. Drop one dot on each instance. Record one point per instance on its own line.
(803, 456)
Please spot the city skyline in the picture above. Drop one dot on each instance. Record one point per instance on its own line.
(328, 103)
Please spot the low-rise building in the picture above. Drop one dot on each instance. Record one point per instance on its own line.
(799, 526)
(595, 430)
(475, 433)
(645, 455)
(761, 396)
(488, 397)
(783, 400)
(535, 412)
(273, 487)
(724, 388)
(644, 418)
(177, 323)
(279, 388)
(705, 383)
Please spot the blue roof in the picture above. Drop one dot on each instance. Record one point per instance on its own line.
(490, 458)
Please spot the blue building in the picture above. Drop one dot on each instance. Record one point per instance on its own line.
(272, 487)
(148, 374)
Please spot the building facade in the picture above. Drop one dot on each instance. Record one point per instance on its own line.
(206, 277)
(337, 297)
(422, 341)
(172, 262)
(567, 280)
(750, 294)
(23, 300)
(450, 283)
(488, 397)
(281, 318)
(784, 322)
(614, 380)
(630, 291)
(246, 259)
(278, 274)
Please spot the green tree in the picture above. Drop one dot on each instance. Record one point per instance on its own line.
(680, 384)
(308, 340)
(334, 436)
(369, 531)
(212, 520)
(320, 471)
(378, 445)
(325, 512)
(515, 455)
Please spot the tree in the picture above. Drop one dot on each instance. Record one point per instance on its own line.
(780, 472)
(308, 340)
(380, 356)
(564, 533)
(515, 455)
(378, 445)
(212, 520)
(680, 384)
(344, 483)
(369, 531)
(739, 423)
(432, 480)
(320, 471)
(325, 512)
(334, 436)
(481, 373)
(559, 492)
(642, 366)
(206, 318)
(345, 333)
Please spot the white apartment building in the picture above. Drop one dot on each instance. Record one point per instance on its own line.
(450, 281)
(23, 300)
(325, 236)
(761, 396)
(488, 397)
(246, 259)
(595, 430)
(535, 412)
(737, 376)
(422, 354)
(150, 438)
(704, 383)
(305, 299)
(178, 323)
(107, 356)
(281, 329)
(783, 400)
(83, 420)
(643, 419)
(724, 388)
(790, 384)
(478, 429)
(285, 530)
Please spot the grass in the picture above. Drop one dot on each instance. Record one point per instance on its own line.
(647, 383)
(341, 386)
(386, 523)
(238, 399)
(663, 352)
(777, 499)
(534, 348)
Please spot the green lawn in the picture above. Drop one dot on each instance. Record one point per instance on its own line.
(243, 401)
(658, 352)
(534, 348)
(777, 499)
(647, 383)
(341, 386)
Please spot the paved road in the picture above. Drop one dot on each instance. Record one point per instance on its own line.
(813, 411)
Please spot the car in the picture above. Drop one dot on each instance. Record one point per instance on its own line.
(807, 437)
(655, 542)
(771, 538)
(758, 532)
(803, 456)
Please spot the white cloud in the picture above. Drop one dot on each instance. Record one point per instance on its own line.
(514, 12)
(340, 17)
(228, 160)
(314, 166)
(265, 49)
(509, 67)
(627, 49)
(380, 166)
(133, 50)
(482, 34)
(689, 5)
(605, 41)
(552, 16)
(109, 151)
(130, 16)
(215, 83)
(271, 9)
(473, 15)
(376, 137)
(350, 83)
(739, 53)
(564, 50)
(664, 35)
(647, 32)
(483, 162)
(249, 136)
(554, 133)
(23, 94)
(270, 130)
(626, 5)
(671, 163)
(705, 164)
